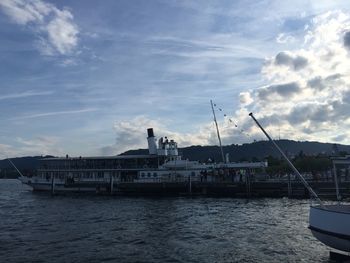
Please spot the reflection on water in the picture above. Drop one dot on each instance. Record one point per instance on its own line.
(41, 228)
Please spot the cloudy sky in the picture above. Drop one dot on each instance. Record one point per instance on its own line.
(89, 77)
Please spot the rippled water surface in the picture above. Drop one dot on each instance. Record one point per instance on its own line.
(41, 228)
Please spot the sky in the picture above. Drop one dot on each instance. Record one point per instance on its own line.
(87, 78)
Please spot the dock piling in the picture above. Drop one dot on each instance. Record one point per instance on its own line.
(52, 184)
(289, 187)
(248, 185)
(111, 184)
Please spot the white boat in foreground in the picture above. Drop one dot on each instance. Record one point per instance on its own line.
(330, 224)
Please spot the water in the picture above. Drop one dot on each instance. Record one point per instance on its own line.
(41, 228)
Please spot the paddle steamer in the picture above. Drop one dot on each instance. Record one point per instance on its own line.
(162, 166)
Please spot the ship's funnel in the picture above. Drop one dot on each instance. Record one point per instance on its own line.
(150, 132)
(152, 147)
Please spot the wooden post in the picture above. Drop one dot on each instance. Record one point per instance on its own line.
(111, 183)
(336, 182)
(289, 187)
(247, 181)
(52, 183)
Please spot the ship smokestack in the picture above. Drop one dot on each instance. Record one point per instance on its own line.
(152, 147)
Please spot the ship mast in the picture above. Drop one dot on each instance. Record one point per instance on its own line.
(218, 133)
(307, 186)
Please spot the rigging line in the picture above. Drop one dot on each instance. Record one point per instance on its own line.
(218, 133)
(226, 115)
(242, 131)
(14, 166)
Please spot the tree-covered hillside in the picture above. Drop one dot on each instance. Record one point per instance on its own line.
(256, 151)
(308, 156)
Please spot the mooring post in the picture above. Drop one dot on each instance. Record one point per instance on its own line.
(247, 181)
(289, 187)
(52, 184)
(336, 183)
(111, 183)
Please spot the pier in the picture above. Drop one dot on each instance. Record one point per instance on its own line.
(255, 189)
(276, 189)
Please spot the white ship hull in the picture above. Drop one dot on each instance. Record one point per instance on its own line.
(56, 186)
(61, 188)
(331, 225)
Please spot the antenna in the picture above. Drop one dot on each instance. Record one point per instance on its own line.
(279, 133)
(308, 187)
(218, 133)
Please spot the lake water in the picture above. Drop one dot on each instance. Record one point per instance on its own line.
(41, 228)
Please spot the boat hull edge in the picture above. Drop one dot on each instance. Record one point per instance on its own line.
(331, 226)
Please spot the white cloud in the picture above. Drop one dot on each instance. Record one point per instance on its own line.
(132, 134)
(7, 151)
(25, 94)
(283, 38)
(245, 98)
(62, 33)
(306, 96)
(40, 145)
(53, 113)
(57, 33)
(309, 88)
(213, 46)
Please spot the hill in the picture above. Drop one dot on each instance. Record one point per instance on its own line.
(27, 165)
(259, 150)
(256, 151)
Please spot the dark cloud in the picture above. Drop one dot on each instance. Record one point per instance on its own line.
(286, 89)
(330, 111)
(308, 130)
(320, 83)
(321, 113)
(339, 138)
(346, 96)
(315, 113)
(295, 63)
(299, 62)
(298, 115)
(273, 119)
(347, 40)
(341, 107)
(316, 83)
(334, 77)
(283, 90)
(109, 150)
(283, 58)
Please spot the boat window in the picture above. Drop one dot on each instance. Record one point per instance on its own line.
(154, 174)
